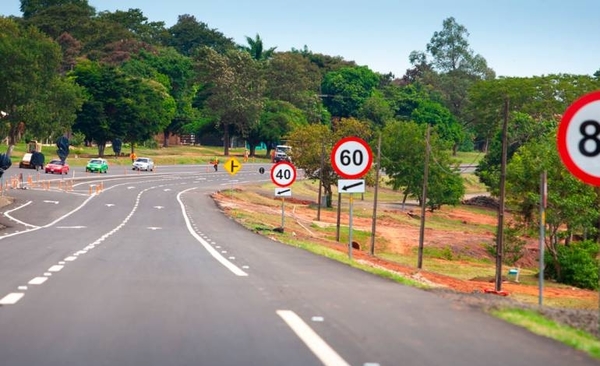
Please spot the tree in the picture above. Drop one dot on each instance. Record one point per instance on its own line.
(346, 90)
(277, 119)
(235, 88)
(571, 209)
(176, 73)
(31, 8)
(455, 67)
(30, 66)
(376, 109)
(442, 121)
(543, 98)
(256, 49)
(310, 141)
(75, 18)
(403, 157)
(292, 78)
(522, 128)
(188, 35)
(136, 23)
(121, 106)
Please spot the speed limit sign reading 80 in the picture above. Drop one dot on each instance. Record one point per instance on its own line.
(578, 138)
(351, 157)
(283, 174)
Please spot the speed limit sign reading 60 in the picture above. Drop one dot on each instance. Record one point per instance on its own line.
(283, 174)
(578, 138)
(351, 157)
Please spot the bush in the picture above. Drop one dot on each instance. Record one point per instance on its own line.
(577, 263)
(77, 139)
(513, 245)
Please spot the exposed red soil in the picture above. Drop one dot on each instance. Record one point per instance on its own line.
(402, 238)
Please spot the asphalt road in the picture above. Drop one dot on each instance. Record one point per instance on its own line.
(149, 272)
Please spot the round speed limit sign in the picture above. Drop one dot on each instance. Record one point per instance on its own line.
(578, 138)
(283, 174)
(351, 157)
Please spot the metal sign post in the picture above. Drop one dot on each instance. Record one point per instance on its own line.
(351, 158)
(350, 229)
(283, 175)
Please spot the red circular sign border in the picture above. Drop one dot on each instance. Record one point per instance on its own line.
(337, 146)
(293, 170)
(561, 138)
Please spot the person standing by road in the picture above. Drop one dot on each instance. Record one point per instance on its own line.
(132, 156)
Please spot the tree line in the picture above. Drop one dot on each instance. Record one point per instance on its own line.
(69, 69)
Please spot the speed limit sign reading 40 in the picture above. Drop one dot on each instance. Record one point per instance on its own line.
(578, 138)
(283, 174)
(351, 157)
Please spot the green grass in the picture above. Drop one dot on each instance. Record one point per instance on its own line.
(471, 158)
(538, 324)
(173, 155)
(343, 258)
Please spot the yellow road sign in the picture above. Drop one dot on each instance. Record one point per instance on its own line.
(232, 166)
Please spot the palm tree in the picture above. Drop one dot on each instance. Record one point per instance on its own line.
(255, 49)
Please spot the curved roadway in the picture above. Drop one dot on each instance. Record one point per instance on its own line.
(149, 272)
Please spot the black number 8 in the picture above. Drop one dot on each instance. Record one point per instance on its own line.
(587, 137)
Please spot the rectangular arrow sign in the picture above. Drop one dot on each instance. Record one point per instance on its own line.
(283, 192)
(351, 186)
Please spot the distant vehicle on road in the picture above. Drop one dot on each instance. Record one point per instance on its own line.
(282, 153)
(143, 164)
(97, 166)
(56, 166)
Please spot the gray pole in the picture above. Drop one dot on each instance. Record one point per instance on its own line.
(350, 229)
(424, 201)
(543, 199)
(282, 213)
(500, 230)
(374, 220)
(339, 213)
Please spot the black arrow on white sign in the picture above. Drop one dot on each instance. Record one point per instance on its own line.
(345, 188)
(283, 191)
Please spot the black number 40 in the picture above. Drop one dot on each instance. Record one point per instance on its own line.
(583, 144)
(284, 174)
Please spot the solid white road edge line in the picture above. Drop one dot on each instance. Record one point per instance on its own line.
(316, 344)
(216, 255)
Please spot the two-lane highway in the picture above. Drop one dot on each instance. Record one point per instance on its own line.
(150, 272)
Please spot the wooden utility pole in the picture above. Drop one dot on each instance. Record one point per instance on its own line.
(374, 219)
(424, 200)
(500, 230)
(321, 180)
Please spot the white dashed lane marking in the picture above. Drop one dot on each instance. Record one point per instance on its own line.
(55, 268)
(11, 298)
(38, 280)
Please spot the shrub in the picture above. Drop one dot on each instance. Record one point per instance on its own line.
(513, 245)
(576, 265)
(77, 139)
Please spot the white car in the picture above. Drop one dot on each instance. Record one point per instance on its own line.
(143, 164)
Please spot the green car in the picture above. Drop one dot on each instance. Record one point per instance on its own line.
(97, 166)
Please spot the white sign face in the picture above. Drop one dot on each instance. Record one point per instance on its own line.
(351, 186)
(351, 157)
(283, 192)
(283, 174)
(578, 138)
